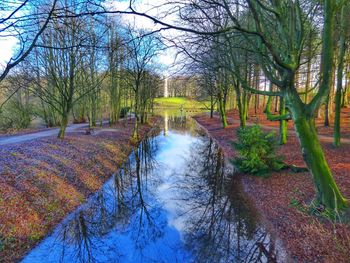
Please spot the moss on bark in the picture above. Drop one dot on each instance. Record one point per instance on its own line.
(327, 192)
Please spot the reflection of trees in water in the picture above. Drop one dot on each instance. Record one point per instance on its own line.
(119, 204)
(179, 123)
(147, 226)
(221, 227)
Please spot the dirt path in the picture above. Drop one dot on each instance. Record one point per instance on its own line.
(51, 132)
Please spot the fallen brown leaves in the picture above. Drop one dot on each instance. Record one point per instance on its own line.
(44, 179)
(307, 238)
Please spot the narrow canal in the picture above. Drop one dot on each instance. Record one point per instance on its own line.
(172, 201)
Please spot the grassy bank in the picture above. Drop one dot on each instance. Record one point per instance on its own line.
(178, 102)
(42, 180)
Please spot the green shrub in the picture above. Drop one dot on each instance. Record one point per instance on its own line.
(15, 116)
(256, 151)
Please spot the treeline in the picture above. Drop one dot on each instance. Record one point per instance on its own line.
(217, 79)
(182, 86)
(87, 68)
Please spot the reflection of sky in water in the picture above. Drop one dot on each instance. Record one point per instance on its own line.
(133, 243)
(172, 157)
(145, 217)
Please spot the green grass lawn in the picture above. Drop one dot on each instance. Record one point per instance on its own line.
(177, 102)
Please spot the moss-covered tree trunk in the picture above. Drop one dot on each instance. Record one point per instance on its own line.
(242, 116)
(283, 122)
(135, 133)
(115, 101)
(222, 109)
(327, 192)
(241, 104)
(326, 111)
(308, 72)
(212, 104)
(92, 110)
(63, 126)
(345, 101)
(282, 118)
(340, 70)
(68, 98)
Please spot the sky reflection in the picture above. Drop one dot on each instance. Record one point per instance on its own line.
(172, 201)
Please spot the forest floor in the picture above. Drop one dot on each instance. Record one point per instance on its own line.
(44, 179)
(282, 198)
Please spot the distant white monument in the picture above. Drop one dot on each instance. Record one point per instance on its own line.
(166, 88)
(166, 120)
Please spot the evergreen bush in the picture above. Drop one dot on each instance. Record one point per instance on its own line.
(257, 151)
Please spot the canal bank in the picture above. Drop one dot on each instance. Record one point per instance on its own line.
(282, 198)
(44, 179)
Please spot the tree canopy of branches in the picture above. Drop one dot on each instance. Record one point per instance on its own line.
(241, 38)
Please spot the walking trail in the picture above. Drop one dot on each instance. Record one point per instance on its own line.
(48, 133)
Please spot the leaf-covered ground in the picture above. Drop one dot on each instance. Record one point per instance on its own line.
(42, 180)
(306, 237)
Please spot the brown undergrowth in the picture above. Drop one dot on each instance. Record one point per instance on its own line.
(280, 197)
(42, 180)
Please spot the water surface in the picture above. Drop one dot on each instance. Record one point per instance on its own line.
(172, 201)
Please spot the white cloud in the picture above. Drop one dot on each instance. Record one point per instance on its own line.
(6, 51)
(156, 9)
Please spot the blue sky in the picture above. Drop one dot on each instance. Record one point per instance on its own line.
(7, 45)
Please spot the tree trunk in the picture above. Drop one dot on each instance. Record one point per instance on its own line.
(276, 104)
(222, 110)
(308, 73)
(339, 78)
(211, 106)
(283, 123)
(327, 192)
(242, 114)
(135, 133)
(345, 101)
(241, 104)
(326, 112)
(64, 123)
